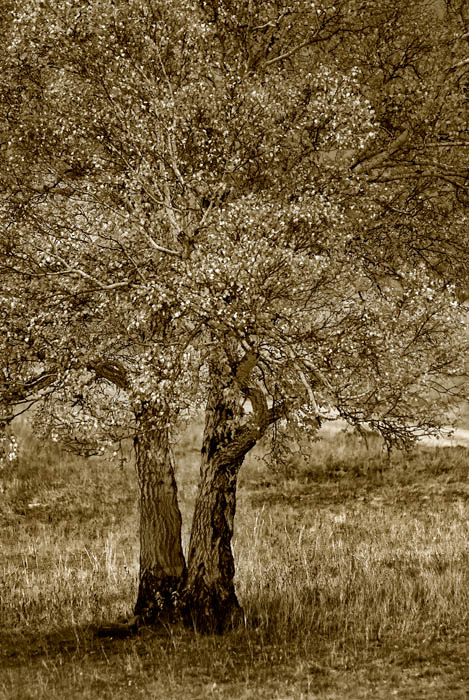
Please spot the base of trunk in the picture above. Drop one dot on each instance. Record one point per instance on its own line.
(159, 598)
(120, 629)
(210, 611)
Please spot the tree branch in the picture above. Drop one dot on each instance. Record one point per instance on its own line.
(377, 159)
(22, 392)
(114, 372)
(244, 368)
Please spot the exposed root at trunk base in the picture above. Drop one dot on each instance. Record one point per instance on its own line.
(159, 599)
(119, 629)
(208, 613)
(204, 613)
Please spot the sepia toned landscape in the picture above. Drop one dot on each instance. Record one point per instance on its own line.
(353, 571)
(234, 342)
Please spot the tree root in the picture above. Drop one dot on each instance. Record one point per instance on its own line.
(120, 629)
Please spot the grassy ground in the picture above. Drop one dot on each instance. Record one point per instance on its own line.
(353, 573)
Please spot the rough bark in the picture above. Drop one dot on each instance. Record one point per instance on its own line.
(4, 444)
(210, 602)
(162, 564)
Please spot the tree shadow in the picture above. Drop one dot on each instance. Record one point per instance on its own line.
(20, 646)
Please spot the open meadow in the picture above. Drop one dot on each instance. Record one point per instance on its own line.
(353, 572)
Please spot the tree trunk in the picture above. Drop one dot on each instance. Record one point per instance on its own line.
(162, 564)
(8, 444)
(210, 602)
(211, 605)
(3, 444)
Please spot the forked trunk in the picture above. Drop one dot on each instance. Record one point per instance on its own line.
(211, 605)
(162, 564)
(4, 442)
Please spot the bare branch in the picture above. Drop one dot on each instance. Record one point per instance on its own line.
(460, 64)
(77, 271)
(377, 159)
(287, 54)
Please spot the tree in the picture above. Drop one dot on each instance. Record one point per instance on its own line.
(365, 304)
(259, 206)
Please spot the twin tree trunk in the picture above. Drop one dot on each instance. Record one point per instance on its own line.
(203, 594)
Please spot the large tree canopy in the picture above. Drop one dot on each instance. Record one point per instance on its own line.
(255, 207)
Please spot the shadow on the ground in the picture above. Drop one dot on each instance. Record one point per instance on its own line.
(16, 647)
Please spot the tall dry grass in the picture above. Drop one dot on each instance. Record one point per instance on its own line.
(344, 554)
(365, 574)
(357, 547)
(69, 539)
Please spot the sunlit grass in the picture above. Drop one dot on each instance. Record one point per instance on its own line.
(367, 574)
(343, 560)
(69, 534)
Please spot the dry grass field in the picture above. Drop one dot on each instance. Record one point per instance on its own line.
(353, 572)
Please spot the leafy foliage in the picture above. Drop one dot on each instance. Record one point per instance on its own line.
(189, 181)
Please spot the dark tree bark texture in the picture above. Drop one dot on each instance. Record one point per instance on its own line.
(211, 605)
